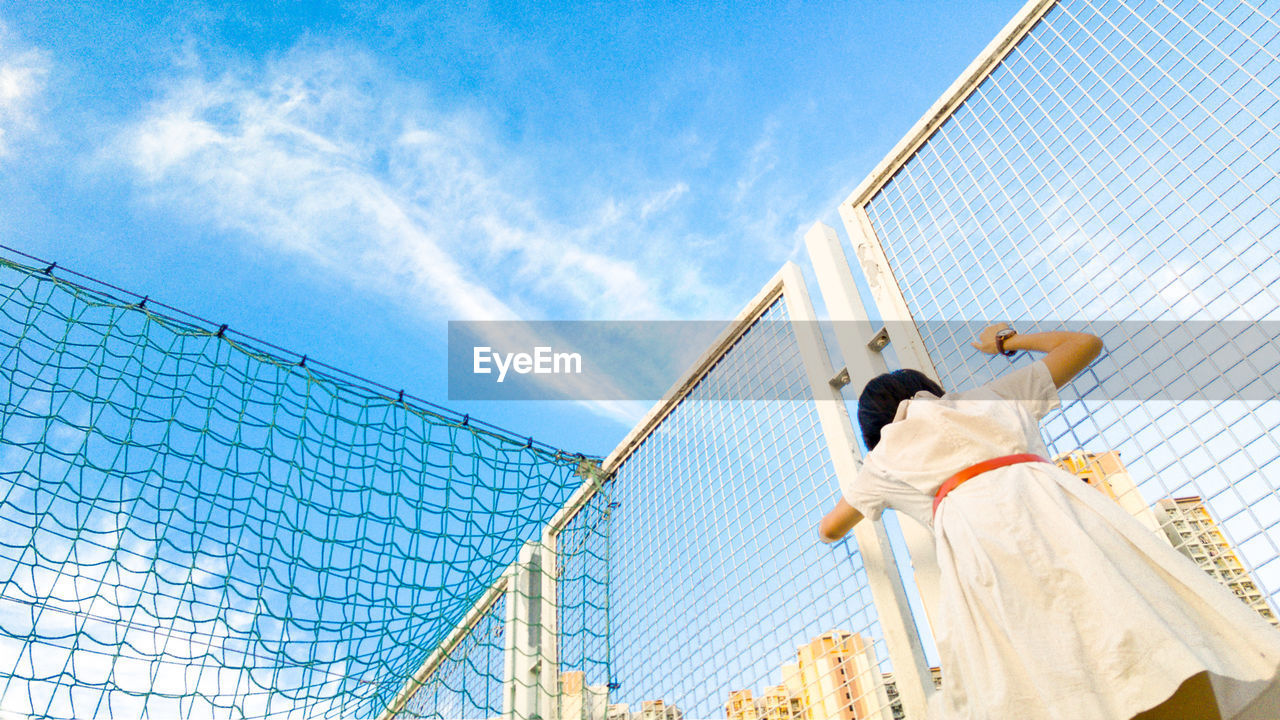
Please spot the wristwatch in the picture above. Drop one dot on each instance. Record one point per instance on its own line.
(1001, 336)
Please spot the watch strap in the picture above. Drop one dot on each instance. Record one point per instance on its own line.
(1000, 338)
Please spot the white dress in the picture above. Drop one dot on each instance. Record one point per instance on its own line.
(1055, 603)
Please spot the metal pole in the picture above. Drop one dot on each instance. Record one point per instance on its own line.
(915, 684)
(549, 647)
(835, 281)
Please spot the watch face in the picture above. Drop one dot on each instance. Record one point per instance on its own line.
(1005, 333)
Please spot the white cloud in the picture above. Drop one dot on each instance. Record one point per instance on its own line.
(664, 199)
(319, 155)
(22, 78)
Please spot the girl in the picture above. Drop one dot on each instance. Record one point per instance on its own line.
(1055, 603)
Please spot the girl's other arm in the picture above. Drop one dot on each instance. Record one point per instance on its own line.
(837, 523)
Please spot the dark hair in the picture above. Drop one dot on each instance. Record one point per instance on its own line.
(880, 398)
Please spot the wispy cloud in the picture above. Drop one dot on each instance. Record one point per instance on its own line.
(327, 156)
(22, 78)
(321, 156)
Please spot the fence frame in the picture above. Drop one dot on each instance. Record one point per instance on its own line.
(531, 641)
(840, 294)
(911, 670)
(863, 361)
(531, 685)
(978, 70)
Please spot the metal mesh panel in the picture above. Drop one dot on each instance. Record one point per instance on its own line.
(468, 684)
(1118, 167)
(717, 577)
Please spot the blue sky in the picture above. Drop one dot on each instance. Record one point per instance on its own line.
(343, 180)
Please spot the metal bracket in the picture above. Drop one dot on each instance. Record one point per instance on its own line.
(879, 340)
(590, 470)
(841, 379)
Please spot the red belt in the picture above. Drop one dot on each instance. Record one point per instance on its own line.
(976, 469)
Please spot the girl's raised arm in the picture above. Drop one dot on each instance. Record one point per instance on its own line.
(1067, 353)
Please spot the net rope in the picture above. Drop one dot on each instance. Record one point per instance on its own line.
(192, 526)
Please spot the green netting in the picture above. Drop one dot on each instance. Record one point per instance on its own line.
(468, 683)
(193, 527)
(583, 597)
(476, 674)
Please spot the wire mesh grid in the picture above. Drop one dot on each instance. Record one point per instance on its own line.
(1119, 168)
(469, 682)
(583, 605)
(722, 600)
(192, 528)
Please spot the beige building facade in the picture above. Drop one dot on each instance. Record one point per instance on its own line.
(835, 677)
(1185, 522)
(579, 701)
(1193, 530)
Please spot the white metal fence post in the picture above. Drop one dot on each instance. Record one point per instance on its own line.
(890, 301)
(835, 281)
(911, 669)
(549, 636)
(528, 691)
(511, 644)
